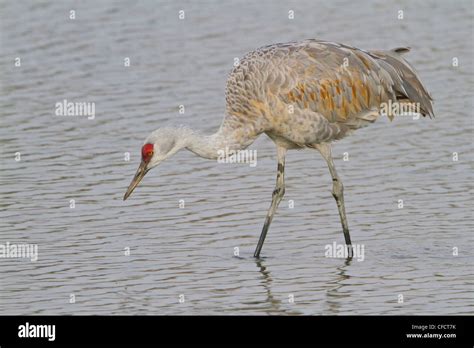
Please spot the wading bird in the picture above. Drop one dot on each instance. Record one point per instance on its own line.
(303, 94)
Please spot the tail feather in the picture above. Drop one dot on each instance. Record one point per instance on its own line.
(407, 84)
(401, 50)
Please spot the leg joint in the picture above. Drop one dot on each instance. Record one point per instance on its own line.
(337, 188)
(279, 191)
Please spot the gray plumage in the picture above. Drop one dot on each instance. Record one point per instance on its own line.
(332, 88)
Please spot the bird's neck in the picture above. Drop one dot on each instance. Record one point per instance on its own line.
(227, 138)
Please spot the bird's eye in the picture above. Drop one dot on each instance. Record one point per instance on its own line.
(147, 152)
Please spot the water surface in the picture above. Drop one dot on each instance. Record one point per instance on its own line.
(190, 251)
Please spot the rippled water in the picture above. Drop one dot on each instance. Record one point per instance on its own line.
(190, 251)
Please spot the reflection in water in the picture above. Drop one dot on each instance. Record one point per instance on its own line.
(334, 293)
(267, 284)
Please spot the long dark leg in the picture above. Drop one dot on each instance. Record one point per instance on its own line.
(337, 192)
(276, 198)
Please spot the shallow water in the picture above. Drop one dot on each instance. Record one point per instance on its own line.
(190, 251)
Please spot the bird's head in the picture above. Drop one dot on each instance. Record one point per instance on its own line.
(158, 146)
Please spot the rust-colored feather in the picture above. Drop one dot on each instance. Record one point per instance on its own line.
(344, 85)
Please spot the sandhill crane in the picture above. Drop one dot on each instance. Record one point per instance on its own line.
(303, 94)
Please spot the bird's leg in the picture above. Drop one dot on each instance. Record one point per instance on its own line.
(276, 198)
(338, 193)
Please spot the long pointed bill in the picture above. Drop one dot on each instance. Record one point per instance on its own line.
(136, 179)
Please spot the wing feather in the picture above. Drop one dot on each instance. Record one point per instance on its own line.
(339, 82)
(345, 85)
